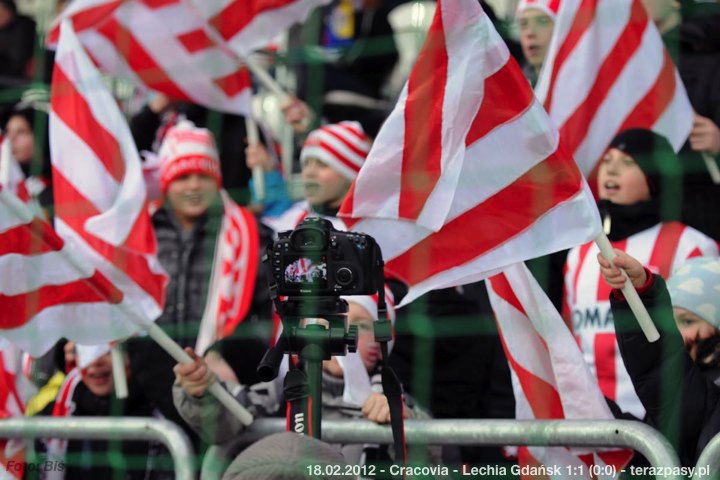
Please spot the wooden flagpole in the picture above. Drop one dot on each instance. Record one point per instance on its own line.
(631, 295)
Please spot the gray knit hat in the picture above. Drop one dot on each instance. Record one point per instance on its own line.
(695, 286)
(287, 456)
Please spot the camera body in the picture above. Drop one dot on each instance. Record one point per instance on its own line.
(318, 260)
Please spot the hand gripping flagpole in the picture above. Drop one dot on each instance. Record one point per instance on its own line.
(631, 295)
(223, 396)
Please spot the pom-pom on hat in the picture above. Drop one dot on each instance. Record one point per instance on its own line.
(187, 149)
(652, 152)
(695, 286)
(342, 146)
(549, 7)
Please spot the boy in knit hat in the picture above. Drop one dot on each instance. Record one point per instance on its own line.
(196, 242)
(678, 390)
(331, 157)
(630, 185)
(536, 21)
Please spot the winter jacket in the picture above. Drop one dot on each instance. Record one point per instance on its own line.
(681, 402)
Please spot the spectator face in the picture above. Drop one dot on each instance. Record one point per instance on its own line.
(621, 180)
(368, 348)
(70, 356)
(536, 29)
(21, 137)
(190, 197)
(323, 185)
(97, 377)
(692, 328)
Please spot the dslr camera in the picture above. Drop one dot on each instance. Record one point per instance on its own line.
(318, 260)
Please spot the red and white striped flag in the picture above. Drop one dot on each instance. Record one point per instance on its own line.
(607, 71)
(550, 378)
(232, 283)
(101, 280)
(467, 175)
(187, 49)
(12, 404)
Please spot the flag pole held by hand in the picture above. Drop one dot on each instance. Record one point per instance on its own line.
(118, 368)
(631, 295)
(258, 174)
(223, 396)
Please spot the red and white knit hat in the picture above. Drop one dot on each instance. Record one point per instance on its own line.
(342, 146)
(549, 7)
(185, 150)
(370, 303)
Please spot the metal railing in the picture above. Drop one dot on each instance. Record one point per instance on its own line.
(104, 428)
(574, 433)
(708, 465)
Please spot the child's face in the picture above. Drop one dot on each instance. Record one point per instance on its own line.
(323, 185)
(22, 139)
(368, 348)
(536, 29)
(190, 196)
(621, 180)
(692, 328)
(97, 376)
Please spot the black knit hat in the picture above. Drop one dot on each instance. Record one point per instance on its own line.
(652, 152)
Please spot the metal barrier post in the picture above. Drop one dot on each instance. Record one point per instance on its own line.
(710, 458)
(580, 433)
(96, 428)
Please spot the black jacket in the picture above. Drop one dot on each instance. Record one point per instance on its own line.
(187, 258)
(681, 402)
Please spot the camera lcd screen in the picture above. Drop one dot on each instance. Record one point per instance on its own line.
(304, 270)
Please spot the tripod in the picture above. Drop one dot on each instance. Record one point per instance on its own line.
(313, 343)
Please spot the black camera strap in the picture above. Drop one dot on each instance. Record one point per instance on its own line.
(392, 388)
(299, 402)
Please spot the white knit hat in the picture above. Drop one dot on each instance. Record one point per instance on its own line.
(187, 149)
(342, 146)
(549, 7)
(370, 303)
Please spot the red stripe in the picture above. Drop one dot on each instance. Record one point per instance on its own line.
(139, 60)
(581, 23)
(695, 253)
(347, 208)
(350, 146)
(340, 157)
(195, 40)
(574, 129)
(497, 106)
(17, 310)
(603, 289)
(234, 83)
(618, 458)
(511, 211)
(85, 19)
(32, 238)
(542, 397)
(350, 131)
(240, 13)
(70, 105)
(665, 247)
(154, 4)
(502, 289)
(605, 364)
(535, 470)
(74, 210)
(253, 245)
(655, 102)
(422, 149)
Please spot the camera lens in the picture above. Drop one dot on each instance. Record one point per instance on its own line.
(344, 276)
